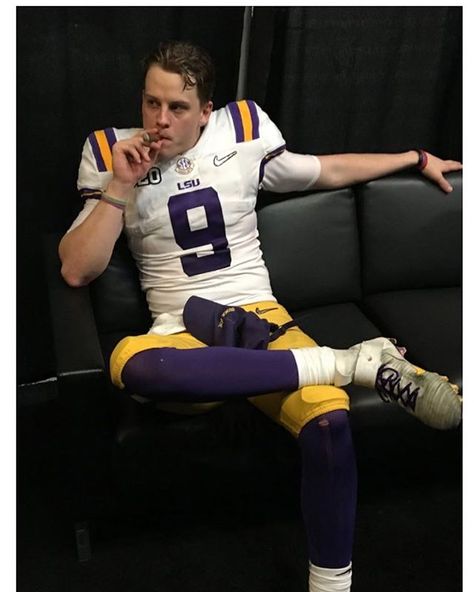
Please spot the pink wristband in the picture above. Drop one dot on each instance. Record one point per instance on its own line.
(422, 159)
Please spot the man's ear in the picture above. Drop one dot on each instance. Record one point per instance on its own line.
(206, 113)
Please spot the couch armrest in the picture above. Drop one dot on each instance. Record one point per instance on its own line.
(77, 348)
(83, 390)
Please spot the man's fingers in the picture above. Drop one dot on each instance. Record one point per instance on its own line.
(133, 154)
(138, 152)
(148, 138)
(445, 185)
(154, 147)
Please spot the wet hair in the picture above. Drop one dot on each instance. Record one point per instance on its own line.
(192, 62)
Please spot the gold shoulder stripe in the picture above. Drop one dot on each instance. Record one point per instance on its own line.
(246, 120)
(104, 147)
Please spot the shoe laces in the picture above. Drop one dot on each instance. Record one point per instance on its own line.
(389, 386)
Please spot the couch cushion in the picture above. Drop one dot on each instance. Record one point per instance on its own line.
(411, 233)
(310, 245)
(336, 325)
(118, 302)
(427, 322)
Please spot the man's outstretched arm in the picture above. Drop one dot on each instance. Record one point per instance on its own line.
(342, 170)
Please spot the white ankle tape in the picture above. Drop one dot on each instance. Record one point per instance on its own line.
(322, 579)
(346, 360)
(316, 365)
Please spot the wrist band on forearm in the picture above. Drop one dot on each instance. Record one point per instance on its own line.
(422, 159)
(114, 201)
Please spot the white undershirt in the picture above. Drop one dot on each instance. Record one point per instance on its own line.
(291, 172)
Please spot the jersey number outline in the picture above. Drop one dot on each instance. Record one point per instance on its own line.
(213, 234)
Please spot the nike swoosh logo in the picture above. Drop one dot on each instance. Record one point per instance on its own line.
(220, 161)
(264, 310)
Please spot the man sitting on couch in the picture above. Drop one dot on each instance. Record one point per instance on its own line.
(184, 188)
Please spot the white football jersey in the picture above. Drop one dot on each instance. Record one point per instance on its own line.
(192, 225)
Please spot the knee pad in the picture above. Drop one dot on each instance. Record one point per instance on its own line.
(328, 430)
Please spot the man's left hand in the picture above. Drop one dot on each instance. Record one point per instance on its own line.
(435, 169)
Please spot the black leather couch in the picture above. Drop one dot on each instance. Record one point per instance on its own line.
(383, 258)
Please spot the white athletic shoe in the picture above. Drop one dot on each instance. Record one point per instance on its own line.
(426, 395)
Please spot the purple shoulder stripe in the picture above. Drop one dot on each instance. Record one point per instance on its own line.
(110, 135)
(96, 151)
(255, 120)
(237, 119)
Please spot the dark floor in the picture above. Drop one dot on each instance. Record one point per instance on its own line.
(408, 536)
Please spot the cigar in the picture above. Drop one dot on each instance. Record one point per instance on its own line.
(148, 138)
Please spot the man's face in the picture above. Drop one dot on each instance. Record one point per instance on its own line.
(175, 111)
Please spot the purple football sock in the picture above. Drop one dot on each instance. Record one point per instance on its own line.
(209, 373)
(328, 489)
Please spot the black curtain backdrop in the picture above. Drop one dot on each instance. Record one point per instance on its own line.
(360, 79)
(78, 69)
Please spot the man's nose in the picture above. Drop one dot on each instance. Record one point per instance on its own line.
(162, 117)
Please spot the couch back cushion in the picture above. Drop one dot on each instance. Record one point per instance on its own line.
(311, 248)
(411, 233)
(119, 304)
